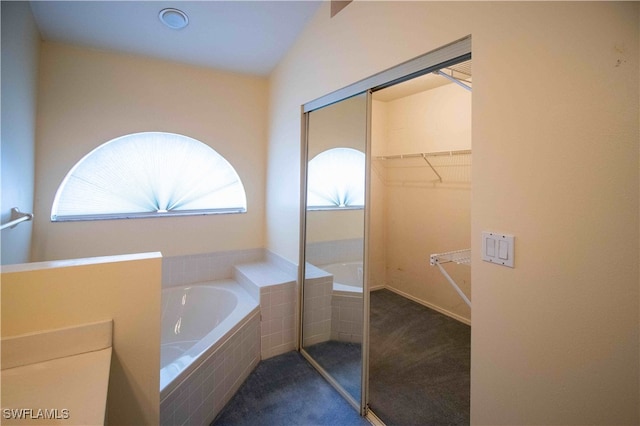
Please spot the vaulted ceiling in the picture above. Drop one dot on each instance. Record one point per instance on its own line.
(240, 36)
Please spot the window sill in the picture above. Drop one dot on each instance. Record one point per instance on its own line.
(334, 208)
(146, 215)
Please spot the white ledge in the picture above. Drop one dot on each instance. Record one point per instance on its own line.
(66, 391)
(51, 344)
(35, 266)
(57, 376)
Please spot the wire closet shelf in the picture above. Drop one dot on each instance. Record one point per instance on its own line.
(447, 166)
(461, 257)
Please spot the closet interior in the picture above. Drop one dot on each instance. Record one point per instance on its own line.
(419, 254)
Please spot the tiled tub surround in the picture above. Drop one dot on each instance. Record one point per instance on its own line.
(206, 390)
(269, 281)
(275, 288)
(317, 295)
(267, 277)
(347, 307)
(202, 267)
(196, 320)
(327, 252)
(333, 300)
(333, 311)
(331, 314)
(347, 317)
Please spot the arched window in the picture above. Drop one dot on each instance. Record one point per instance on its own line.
(336, 179)
(149, 174)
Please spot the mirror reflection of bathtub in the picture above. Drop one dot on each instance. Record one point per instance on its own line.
(333, 321)
(346, 301)
(347, 277)
(332, 226)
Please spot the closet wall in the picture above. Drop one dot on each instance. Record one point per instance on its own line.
(413, 213)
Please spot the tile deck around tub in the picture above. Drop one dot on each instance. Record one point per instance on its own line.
(275, 289)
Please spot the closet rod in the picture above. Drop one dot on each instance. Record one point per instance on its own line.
(16, 217)
(423, 154)
(453, 79)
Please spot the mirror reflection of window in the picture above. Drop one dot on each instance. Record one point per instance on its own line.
(336, 180)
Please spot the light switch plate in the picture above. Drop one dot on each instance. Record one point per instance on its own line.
(498, 248)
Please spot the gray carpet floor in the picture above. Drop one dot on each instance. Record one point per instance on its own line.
(343, 361)
(419, 363)
(419, 375)
(286, 390)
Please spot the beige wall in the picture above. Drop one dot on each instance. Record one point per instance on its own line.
(20, 49)
(555, 140)
(434, 120)
(88, 97)
(51, 295)
(417, 214)
(377, 237)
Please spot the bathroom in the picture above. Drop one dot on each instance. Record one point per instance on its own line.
(72, 99)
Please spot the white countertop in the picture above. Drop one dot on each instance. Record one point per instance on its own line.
(67, 391)
(57, 377)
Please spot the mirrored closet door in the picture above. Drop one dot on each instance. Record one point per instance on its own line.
(333, 242)
(386, 169)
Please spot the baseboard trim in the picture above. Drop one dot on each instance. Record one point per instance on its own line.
(378, 287)
(373, 419)
(428, 305)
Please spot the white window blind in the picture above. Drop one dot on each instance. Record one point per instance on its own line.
(148, 175)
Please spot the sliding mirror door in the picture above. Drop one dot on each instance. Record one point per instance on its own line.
(332, 247)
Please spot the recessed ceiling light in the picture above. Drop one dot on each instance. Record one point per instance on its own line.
(174, 18)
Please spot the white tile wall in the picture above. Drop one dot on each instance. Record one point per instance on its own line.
(288, 267)
(181, 270)
(278, 308)
(330, 315)
(203, 394)
(317, 309)
(326, 252)
(274, 286)
(347, 318)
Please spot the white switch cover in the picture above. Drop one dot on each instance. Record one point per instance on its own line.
(491, 247)
(498, 248)
(503, 251)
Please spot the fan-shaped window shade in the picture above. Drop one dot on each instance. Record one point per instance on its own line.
(336, 179)
(148, 175)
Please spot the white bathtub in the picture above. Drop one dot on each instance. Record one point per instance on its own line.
(347, 276)
(196, 321)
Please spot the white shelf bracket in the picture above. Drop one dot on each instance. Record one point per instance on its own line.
(424, 157)
(460, 257)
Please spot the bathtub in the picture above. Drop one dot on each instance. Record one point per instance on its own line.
(347, 276)
(203, 326)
